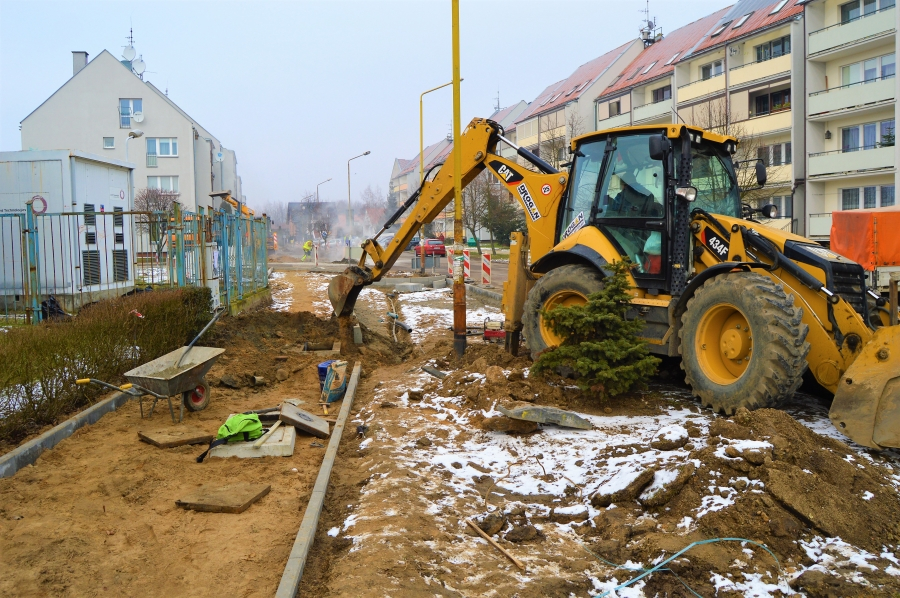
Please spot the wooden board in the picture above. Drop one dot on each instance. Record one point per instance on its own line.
(279, 444)
(176, 436)
(233, 498)
(305, 421)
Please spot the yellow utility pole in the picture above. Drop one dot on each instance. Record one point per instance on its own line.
(459, 288)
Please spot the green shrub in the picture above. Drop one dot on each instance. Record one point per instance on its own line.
(601, 346)
(106, 339)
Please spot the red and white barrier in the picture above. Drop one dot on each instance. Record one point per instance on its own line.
(486, 269)
(450, 262)
(467, 266)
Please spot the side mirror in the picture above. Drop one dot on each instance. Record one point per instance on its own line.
(659, 146)
(769, 211)
(760, 173)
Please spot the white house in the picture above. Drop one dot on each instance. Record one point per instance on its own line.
(104, 102)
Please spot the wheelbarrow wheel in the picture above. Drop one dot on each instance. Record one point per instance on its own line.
(197, 398)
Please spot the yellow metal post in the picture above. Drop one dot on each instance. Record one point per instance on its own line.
(459, 289)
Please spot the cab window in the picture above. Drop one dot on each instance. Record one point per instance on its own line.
(634, 185)
(712, 173)
(577, 211)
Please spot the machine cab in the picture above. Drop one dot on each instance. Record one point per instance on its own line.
(627, 191)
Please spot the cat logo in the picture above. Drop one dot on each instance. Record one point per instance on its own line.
(509, 176)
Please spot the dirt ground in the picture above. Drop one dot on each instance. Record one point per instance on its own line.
(585, 510)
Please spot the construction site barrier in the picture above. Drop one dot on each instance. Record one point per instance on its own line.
(467, 266)
(486, 269)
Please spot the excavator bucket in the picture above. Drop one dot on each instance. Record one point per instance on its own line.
(344, 289)
(866, 404)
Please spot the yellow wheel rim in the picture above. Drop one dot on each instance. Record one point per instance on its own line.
(565, 298)
(723, 344)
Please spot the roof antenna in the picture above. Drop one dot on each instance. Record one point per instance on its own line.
(497, 105)
(650, 33)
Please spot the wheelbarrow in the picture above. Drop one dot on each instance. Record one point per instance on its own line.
(181, 371)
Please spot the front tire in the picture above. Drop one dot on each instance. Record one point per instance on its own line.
(743, 343)
(567, 285)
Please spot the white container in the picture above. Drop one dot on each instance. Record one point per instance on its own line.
(81, 259)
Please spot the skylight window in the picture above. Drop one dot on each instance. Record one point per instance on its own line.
(743, 19)
(720, 29)
(647, 70)
(671, 60)
(585, 84)
(571, 91)
(553, 98)
(544, 103)
(635, 74)
(778, 6)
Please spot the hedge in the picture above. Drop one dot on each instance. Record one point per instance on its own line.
(41, 363)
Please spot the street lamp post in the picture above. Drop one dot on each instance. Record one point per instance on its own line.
(349, 209)
(317, 197)
(422, 163)
(134, 134)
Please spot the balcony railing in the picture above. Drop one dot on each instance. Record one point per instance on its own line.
(151, 161)
(848, 150)
(847, 86)
(852, 31)
(760, 69)
(871, 91)
(820, 225)
(774, 110)
(700, 88)
(879, 156)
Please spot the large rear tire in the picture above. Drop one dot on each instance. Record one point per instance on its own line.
(743, 343)
(567, 285)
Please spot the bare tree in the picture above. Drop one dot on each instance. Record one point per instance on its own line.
(374, 208)
(154, 205)
(574, 125)
(276, 210)
(475, 200)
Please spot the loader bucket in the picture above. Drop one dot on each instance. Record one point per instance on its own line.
(345, 287)
(866, 404)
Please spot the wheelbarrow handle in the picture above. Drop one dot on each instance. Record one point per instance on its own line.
(129, 388)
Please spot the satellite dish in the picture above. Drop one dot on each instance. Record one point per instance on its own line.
(139, 66)
(128, 53)
(220, 157)
(138, 117)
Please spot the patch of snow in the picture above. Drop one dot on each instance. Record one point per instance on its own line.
(868, 495)
(333, 532)
(753, 585)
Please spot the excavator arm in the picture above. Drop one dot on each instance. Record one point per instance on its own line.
(538, 193)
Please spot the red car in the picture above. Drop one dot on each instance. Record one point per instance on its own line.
(434, 247)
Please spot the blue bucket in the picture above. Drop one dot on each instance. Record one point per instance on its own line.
(323, 371)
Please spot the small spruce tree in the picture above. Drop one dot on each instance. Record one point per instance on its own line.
(601, 346)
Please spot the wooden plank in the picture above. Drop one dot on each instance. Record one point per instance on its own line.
(177, 436)
(305, 421)
(233, 498)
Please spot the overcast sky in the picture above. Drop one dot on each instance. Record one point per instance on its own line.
(298, 87)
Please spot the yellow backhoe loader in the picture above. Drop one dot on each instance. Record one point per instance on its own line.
(749, 309)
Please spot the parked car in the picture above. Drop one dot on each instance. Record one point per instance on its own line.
(414, 244)
(435, 247)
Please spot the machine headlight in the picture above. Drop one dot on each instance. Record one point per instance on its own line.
(688, 194)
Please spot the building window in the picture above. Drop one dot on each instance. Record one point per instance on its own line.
(662, 94)
(554, 120)
(849, 199)
(127, 108)
(671, 60)
(778, 7)
(867, 136)
(851, 10)
(615, 108)
(162, 146)
(769, 102)
(109, 143)
(773, 49)
(165, 183)
(647, 70)
(872, 197)
(720, 29)
(742, 20)
(868, 70)
(713, 69)
(777, 154)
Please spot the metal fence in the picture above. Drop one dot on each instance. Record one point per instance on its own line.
(63, 261)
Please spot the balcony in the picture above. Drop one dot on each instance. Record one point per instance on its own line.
(855, 95)
(840, 161)
(865, 27)
(701, 88)
(759, 70)
(819, 226)
(620, 120)
(661, 111)
(763, 124)
(151, 161)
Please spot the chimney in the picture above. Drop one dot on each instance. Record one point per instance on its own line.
(79, 61)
